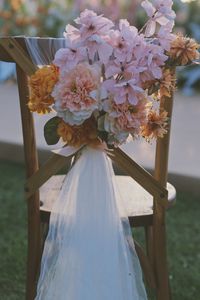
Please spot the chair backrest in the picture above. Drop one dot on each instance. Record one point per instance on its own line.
(15, 50)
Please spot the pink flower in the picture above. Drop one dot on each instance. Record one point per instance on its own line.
(71, 32)
(93, 34)
(124, 40)
(156, 59)
(67, 58)
(72, 94)
(124, 119)
(113, 67)
(96, 44)
(133, 117)
(149, 8)
(151, 58)
(128, 91)
(165, 36)
(164, 8)
(161, 12)
(116, 67)
(93, 24)
(125, 91)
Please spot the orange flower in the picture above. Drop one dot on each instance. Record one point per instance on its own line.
(16, 4)
(167, 83)
(161, 87)
(41, 84)
(184, 50)
(78, 135)
(156, 125)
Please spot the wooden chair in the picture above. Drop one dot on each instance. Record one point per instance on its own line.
(42, 186)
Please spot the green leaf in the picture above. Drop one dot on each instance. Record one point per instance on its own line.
(50, 131)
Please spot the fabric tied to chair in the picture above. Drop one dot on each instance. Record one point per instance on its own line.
(89, 251)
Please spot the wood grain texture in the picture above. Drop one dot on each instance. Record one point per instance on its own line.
(138, 203)
(18, 54)
(42, 43)
(49, 168)
(159, 229)
(146, 266)
(31, 161)
(139, 174)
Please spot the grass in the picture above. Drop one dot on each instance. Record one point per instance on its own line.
(183, 239)
(13, 232)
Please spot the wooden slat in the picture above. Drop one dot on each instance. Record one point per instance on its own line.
(162, 146)
(140, 175)
(18, 55)
(42, 44)
(4, 55)
(159, 228)
(146, 266)
(31, 161)
(51, 167)
(137, 202)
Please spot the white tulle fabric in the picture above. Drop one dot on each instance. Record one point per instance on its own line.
(89, 252)
(42, 51)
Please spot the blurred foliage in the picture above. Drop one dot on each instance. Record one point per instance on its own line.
(33, 18)
(48, 18)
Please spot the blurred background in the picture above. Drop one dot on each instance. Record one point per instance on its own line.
(46, 18)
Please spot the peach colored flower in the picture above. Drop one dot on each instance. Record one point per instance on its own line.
(184, 50)
(72, 94)
(156, 125)
(132, 117)
(41, 84)
(124, 119)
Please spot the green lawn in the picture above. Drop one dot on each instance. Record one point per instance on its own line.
(183, 239)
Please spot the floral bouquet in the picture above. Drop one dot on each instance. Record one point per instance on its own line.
(105, 86)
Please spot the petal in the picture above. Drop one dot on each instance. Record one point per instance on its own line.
(119, 99)
(150, 29)
(162, 20)
(149, 8)
(132, 99)
(123, 23)
(105, 51)
(157, 72)
(112, 70)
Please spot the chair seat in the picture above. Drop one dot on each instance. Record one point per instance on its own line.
(137, 201)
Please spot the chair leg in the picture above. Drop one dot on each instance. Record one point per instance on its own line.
(149, 243)
(33, 256)
(44, 228)
(160, 260)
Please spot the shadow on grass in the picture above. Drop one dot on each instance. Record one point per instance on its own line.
(183, 225)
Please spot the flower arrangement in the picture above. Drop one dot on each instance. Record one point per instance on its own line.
(107, 83)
